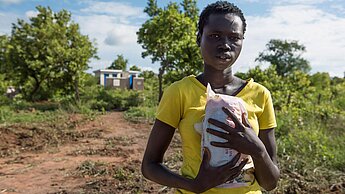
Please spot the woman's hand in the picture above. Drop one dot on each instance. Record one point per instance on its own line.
(242, 137)
(209, 177)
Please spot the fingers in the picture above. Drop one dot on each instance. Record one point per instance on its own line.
(245, 120)
(233, 117)
(220, 144)
(219, 124)
(224, 126)
(206, 157)
(217, 133)
(233, 162)
(237, 170)
(243, 163)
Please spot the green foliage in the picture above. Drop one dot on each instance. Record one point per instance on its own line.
(48, 55)
(119, 63)
(168, 37)
(134, 68)
(152, 8)
(28, 114)
(191, 9)
(289, 91)
(3, 52)
(104, 99)
(3, 84)
(310, 115)
(141, 114)
(151, 88)
(286, 55)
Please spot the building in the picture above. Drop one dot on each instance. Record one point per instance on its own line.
(120, 79)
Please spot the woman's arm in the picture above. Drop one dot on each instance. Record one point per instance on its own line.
(152, 167)
(266, 169)
(208, 177)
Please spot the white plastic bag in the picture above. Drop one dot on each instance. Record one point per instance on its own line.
(220, 156)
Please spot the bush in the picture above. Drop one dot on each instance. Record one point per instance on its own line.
(141, 114)
(115, 99)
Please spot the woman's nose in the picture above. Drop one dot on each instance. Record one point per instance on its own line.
(225, 44)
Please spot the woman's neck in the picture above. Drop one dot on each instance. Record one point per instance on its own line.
(217, 79)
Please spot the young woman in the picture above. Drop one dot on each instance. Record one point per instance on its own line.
(220, 36)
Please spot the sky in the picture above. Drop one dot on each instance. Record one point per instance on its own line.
(112, 25)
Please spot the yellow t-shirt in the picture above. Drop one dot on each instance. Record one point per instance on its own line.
(183, 105)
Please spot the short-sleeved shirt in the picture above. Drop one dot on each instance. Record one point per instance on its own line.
(183, 105)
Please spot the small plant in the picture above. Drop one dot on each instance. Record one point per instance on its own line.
(140, 114)
(119, 140)
(90, 168)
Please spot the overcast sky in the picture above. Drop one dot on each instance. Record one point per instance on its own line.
(317, 24)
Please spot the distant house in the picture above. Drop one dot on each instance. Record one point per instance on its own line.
(120, 79)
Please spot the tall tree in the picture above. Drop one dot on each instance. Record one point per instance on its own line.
(3, 49)
(119, 63)
(168, 37)
(152, 8)
(285, 55)
(191, 9)
(49, 54)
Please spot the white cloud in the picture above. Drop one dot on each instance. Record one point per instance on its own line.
(252, 1)
(322, 33)
(31, 14)
(122, 11)
(121, 34)
(114, 32)
(113, 25)
(303, 2)
(6, 20)
(339, 8)
(10, 1)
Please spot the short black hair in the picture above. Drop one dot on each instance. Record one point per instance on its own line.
(219, 7)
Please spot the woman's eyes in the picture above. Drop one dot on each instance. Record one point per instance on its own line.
(232, 38)
(214, 36)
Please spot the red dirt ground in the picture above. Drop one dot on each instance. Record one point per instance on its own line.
(104, 157)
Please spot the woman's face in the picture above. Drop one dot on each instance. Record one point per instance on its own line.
(221, 41)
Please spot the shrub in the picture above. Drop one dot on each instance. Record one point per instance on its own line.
(140, 114)
(116, 99)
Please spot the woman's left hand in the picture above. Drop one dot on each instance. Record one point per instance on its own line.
(241, 137)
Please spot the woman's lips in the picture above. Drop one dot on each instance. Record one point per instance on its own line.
(224, 56)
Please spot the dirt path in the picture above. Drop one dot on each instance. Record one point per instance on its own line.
(104, 159)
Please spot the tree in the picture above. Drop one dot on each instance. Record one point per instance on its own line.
(119, 63)
(4, 76)
(290, 91)
(191, 10)
(3, 44)
(168, 37)
(134, 68)
(286, 55)
(151, 88)
(152, 8)
(48, 54)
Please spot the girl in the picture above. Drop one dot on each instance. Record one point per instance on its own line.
(221, 29)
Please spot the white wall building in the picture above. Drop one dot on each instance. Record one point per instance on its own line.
(120, 79)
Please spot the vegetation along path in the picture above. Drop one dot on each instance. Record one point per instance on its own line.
(78, 153)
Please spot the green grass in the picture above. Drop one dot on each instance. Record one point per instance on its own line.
(140, 114)
(10, 116)
(310, 152)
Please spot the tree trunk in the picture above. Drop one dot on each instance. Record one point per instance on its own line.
(76, 89)
(319, 99)
(37, 86)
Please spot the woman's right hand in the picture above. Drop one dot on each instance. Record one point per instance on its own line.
(209, 177)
